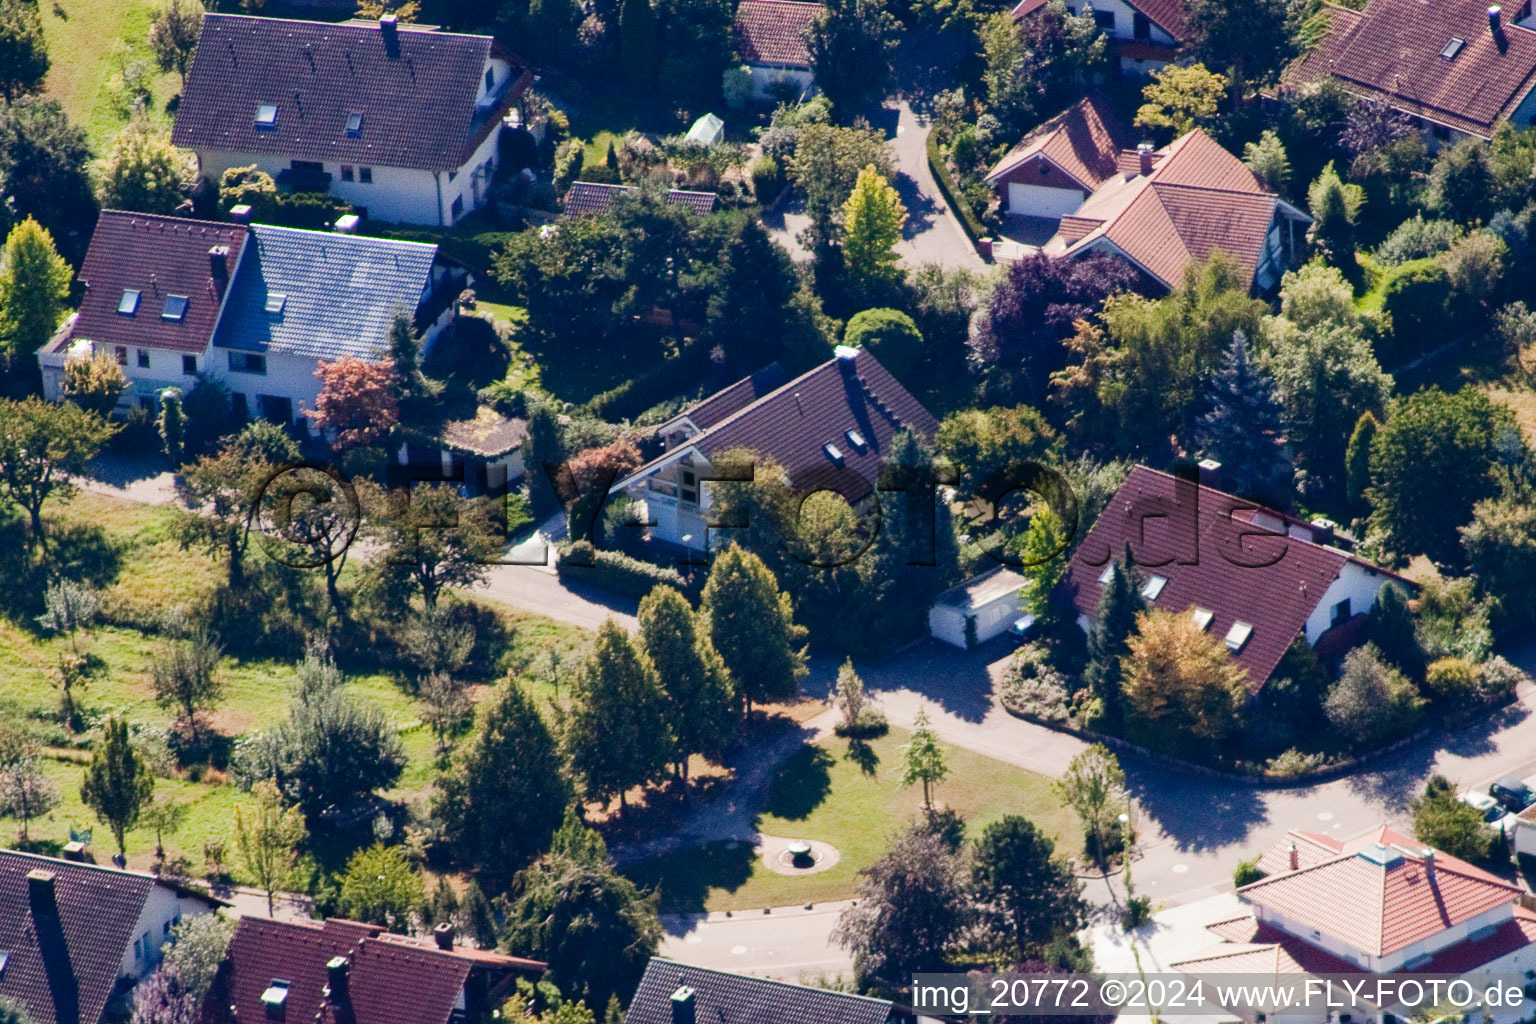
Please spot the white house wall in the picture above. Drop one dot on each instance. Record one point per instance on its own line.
(765, 77)
(1355, 582)
(161, 910)
(1394, 961)
(288, 376)
(1124, 20)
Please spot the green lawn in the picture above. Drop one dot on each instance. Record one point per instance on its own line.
(855, 804)
(595, 153)
(90, 44)
(524, 371)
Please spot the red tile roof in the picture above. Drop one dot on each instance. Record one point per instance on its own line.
(1199, 540)
(772, 32)
(390, 979)
(1169, 15)
(1085, 141)
(157, 256)
(1382, 892)
(1392, 50)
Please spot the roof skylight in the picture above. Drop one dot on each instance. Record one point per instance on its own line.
(1237, 636)
(833, 451)
(175, 308)
(276, 301)
(1109, 570)
(129, 303)
(1453, 47)
(1153, 587)
(1202, 617)
(266, 115)
(354, 124)
(856, 439)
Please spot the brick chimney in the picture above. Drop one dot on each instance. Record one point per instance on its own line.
(1144, 158)
(443, 936)
(41, 894)
(1494, 25)
(218, 265)
(1294, 855)
(683, 1009)
(336, 984)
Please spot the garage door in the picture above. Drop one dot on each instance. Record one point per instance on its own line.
(1039, 201)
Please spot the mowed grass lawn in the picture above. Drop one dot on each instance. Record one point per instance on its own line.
(90, 43)
(855, 803)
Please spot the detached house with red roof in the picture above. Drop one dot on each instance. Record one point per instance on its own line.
(1251, 576)
(1458, 67)
(1146, 33)
(1380, 903)
(1160, 210)
(400, 121)
(344, 972)
(770, 39)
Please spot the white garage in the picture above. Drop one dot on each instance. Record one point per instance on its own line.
(990, 602)
(1043, 201)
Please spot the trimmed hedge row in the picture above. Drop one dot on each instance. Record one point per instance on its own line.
(951, 192)
(612, 570)
(663, 381)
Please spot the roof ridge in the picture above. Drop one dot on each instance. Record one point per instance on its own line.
(364, 25)
(769, 981)
(1154, 183)
(61, 862)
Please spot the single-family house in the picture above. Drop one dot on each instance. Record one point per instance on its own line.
(1057, 166)
(345, 972)
(1459, 68)
(256, 306)
(674, 993)
(1145, 34)
(595, 198)
(1376, 904)
(73, 934)
(1164, 209)
(401, 121)
(770, 39)
(827, 428)
(1252, 576)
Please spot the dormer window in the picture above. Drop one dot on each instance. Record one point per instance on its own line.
(266, 115)
(128, 305)
(1153, 587)
(1237, 636)
(1453, 48)
(175, 308)
(354, 124)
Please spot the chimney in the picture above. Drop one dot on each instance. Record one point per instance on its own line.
(443, 936)
(40, 893)
(683, 1011)
(1493, 20)
(1144, 158)
(1295, 856)
(240, 214)
(389, 28)
(1323, 530)
(336, 986)
(845, 358)
(346, 224)
(1210, 473)
(218, 267)
(1429, 864)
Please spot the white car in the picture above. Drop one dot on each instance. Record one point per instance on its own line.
(1493, 812)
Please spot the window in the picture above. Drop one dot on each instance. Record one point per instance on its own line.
(1141, 28)
(247, 362)
(121, 352)
(175, 308)
(458, 207)
(266, 115)
(307, 166)
(189, 365)
(1237, 636)
(1453, 48)
(856, 439)
(365, 175)
(4, 959)
(833, 452)
(346, 173)
(276, 301)
(688, 488)
(1105, 20)
(129, 303)
(452, 175)
(1109, 570)
(490, 79)
(143, 359)
(242, 407)
(354, 124)
(1202, 617)
(1153, 587)
(1340, 612)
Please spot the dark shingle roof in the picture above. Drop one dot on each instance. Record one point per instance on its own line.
(339, 292)
(1200, 540)
(156, 256)
(597, 198)
(773, 32)
(389, 980)
(792, 424)
(1392, 50)
(730, 400)
(62, 967)
(723, 998)
(416, 97)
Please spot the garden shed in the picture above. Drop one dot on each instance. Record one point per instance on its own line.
(989, 601)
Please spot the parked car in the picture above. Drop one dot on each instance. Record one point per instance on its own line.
(1495, 815)
(1514, 794)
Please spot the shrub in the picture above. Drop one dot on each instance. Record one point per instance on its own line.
(1246, 873)
(951, 191)
(1418, 299)
(1451, 679)
(1138, 911)
(1294, 763)
(767, 179)
(1499, 675)
(736, 86)
(870, 724)
(614, 571)
(890, 336)
(1033, 687)
(1417, 238)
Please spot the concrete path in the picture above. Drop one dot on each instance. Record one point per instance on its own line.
(932, 233)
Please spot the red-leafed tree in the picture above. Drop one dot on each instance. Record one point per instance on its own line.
(357, 400)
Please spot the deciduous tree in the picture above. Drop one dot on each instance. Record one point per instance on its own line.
(1449, 824)
(922, 759)
(1335, 210)
(267, 836)
(117, 783)
(872, 218)
(616, 733)
(26, 792)
(220, 491)
(1371, 702)
(357, 400)
(1268, 161)
(851, 43)
(1180, 683)
(1094, 786)
(174, 33)
(42, 446)
(93, 382)
(185, 673)
(382, 887)
(34, 288)
(1181, 98)
(890, 336)
(435, 538)
(751, 623)
(23, 49)
(143, 172)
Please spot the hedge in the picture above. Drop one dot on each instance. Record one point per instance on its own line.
(951, 192)
(667, 379)
(615, 571)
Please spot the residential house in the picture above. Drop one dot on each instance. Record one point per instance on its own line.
(1055, 168)
(72, 935)
(1250, 575)
(400, 121)
(344, 972)
(1459, 68)
(1145, 34)
(597, 198)
(770, 39)
(674, 993)
(254, 305)
(1380, 903)
(1165, 209)
(828, 428)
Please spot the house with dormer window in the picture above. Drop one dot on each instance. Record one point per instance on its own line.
(401, 121)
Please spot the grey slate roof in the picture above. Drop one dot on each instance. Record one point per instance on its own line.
(62, 967)
(723, 998)
(341, 292)
(596, 197)
(417, 96)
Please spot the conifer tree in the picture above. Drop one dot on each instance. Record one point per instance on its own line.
(1357, 460)
(1243, 427)
(701, 709)
(617, 736)
(1335, 209)
(1108, 638)
(637, 43)
(751, 623)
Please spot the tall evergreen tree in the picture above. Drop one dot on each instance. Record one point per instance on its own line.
(1243, 427)
(751, 623)
(1109, 638)
(1357, 460)
(748, 309)
(617, 736)
(638, 43)
(1335, 209)
(701, 707)
(117, 783)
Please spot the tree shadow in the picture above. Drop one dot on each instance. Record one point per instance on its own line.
(801, 783)
(686, 877)
(960, 682)
(122, 470)
(921, 208)
(83, 551)
(863, 755)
